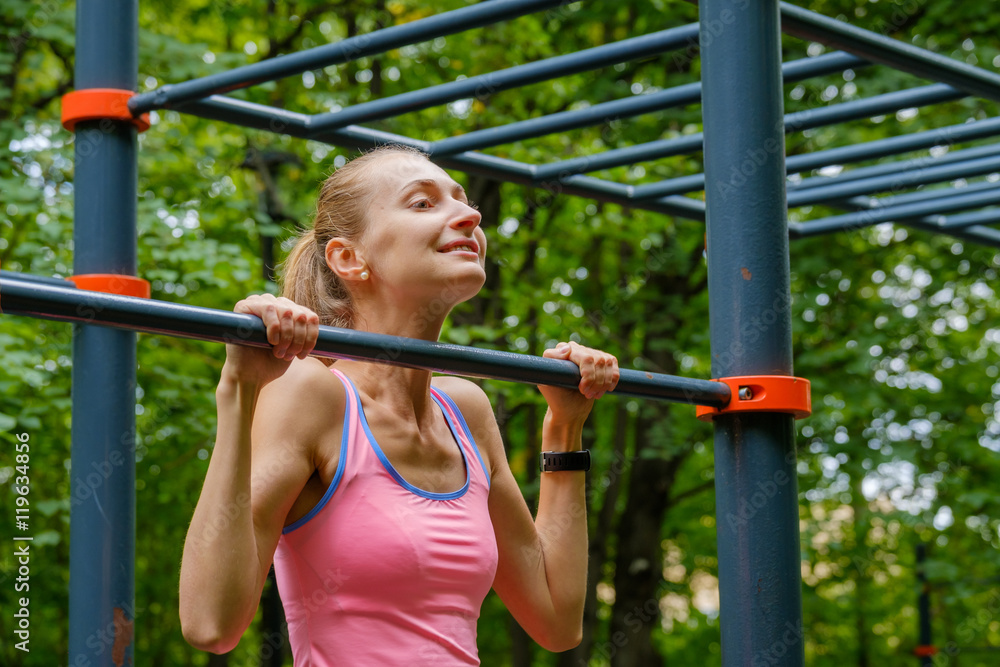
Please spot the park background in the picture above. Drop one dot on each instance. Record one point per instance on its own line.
(897, 330)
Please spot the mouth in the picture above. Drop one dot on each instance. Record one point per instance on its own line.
(462, 247)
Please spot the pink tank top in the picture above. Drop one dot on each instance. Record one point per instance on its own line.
(380, 572)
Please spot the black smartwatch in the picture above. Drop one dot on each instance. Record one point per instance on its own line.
(559, 461)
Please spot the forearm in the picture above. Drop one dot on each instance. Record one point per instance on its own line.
(220, 551)
(561, 522)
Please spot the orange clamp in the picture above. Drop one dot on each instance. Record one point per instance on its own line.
(113, 284)
(763, 393)
(925, 651)
(97, 104)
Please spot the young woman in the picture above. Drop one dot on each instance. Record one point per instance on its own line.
(381, 494)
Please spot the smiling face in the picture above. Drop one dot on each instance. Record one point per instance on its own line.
(423, 240)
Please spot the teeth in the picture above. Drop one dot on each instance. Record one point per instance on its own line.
(460, 247)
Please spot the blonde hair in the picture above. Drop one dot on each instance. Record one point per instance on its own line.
(341, 211)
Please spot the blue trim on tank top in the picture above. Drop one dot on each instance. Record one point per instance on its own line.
(468, 433)
(341, 465)
(430, 495)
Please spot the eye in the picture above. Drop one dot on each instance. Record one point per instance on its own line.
(422, 203)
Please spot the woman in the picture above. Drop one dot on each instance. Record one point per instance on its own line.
(382, 494)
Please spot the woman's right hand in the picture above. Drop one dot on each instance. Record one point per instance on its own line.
(292, 330)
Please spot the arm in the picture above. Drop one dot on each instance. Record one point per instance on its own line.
(542, 570)
(261, 461)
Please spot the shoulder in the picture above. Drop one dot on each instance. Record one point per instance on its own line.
(477, 410)
(303, 400)
(468, 396)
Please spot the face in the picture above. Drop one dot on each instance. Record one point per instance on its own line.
(423, 240)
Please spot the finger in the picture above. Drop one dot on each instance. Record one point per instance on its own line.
(287, 324)
(312, 334)
(559, 351)
(269, 315)
(300, 319)
(588, 370)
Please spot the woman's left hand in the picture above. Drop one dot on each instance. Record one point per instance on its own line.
(599, 374)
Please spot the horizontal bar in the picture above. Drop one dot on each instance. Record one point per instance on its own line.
(68, 304)
(864, 203)
(809, 25)
(898, 167)
(988, 216)
(258, 116)
(565, 121)
(906, 212)
(623, 108)
(14, 275)
(794, 122)
(494, 82)
(346, 50)
(871, 150)
(891, 182)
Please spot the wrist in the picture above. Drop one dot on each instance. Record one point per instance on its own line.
(231, 385)
(561, 436)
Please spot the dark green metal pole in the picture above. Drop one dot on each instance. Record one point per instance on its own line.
(757, 498)
(102, 478)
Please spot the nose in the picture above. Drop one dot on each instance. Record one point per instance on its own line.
(466, 217)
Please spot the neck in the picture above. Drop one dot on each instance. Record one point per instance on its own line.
(405, 391)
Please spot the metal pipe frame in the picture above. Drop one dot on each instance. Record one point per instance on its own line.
(794, 122)
(898, 167)
(809, 25)
(863, 203)
(896, 181)
(910, 214)
(257, 116)
(872, 150)
(346, 50)
(102, 432)
(36, 298)
(494, 82)
(760, 572)
(624, 108)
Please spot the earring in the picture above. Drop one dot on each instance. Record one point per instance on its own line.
(364, 275)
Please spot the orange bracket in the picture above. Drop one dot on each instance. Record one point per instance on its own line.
(925, 651)
(763, 393)
(113, 284)
(98, 104)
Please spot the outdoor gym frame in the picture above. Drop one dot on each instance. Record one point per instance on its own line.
(747, 244)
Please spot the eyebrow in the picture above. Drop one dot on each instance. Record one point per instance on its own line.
(430, 182)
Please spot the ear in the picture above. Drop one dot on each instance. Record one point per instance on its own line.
(344, 259)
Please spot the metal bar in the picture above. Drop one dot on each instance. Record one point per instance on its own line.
(102, 452)
(22, 297)
(944, 136)
(494, 82)
(631, 106)
(809, 25)
(898, 167)
(569, 120)
(863, 203)
(965, 226)
(346, 50)
(907, 213)
(794, 122)
(895, 181)
(262, 117)
(751, 332)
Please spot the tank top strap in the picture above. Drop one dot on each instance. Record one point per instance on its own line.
(356, 449)
(464, 434)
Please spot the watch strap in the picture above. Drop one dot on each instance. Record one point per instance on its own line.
(559, 461)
